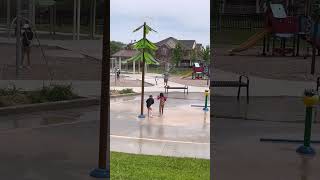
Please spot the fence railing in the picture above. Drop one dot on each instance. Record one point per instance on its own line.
(238, 21)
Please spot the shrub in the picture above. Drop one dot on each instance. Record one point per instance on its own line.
(58, 92)
(126, 91)
(11, 100)
(52, 93)
(10, 91)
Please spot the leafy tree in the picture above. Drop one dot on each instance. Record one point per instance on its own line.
(177, 54)
(194, 55)
(206, 54)
(115, 46)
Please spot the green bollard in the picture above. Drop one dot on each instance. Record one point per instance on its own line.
(206, 101)
(309, 100)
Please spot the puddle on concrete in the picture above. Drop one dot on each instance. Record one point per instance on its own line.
(124, 110)
(57, 120)
(35, 120)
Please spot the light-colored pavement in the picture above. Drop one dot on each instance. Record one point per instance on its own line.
(262, 86)
(92, 88)
(258, 86)
(92, 48)
(158, 84)
(237, 149)
(64, 144)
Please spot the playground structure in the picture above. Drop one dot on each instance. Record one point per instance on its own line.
(199, 71)
(280, 26)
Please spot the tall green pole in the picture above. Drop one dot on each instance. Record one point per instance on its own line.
(306, 149)
(143, 73)
(206, 101)
(307, 128)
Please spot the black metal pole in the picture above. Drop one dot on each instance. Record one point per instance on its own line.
(264, 46)
(268, 43)
(313, 62)
(314, 38)
(298, 45)
(143, 73)
(103, 170)
(18, 38)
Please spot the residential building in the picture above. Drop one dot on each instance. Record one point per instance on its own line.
(165, 51)
(163, 55)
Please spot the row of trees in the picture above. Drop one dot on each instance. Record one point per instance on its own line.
(203, 54)
(177, 55)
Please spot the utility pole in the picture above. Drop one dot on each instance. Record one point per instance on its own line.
(31, 12)
(18, 38)
(8, 17)
(78, 19)
(103, 170)
(92, 18)
(74, 18)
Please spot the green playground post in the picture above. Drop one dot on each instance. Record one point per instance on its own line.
(307, 128)
(310, 99)
(206, 92)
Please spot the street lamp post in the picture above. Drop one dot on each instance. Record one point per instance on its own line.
(8, 17)
(103, 170)
(18, 38)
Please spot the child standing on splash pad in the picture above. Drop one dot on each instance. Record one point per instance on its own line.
(162, 99)
(149, 102)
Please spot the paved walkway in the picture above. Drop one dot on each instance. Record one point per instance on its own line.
(92, 48)
(262, 86)
(64, 144)
(259, 86)
(92, 88)
(237, 149)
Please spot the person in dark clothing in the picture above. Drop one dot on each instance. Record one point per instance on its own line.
(27, 37)
(149, 102)
(166, 78)
(118, 73)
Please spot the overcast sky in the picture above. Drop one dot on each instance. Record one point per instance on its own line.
(182, 19)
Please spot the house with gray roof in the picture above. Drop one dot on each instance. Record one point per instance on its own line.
(166, 46)
(163, 54)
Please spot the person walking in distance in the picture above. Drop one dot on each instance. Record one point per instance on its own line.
(166, 78)
(27, 37)
(149, 103)
(162, 100)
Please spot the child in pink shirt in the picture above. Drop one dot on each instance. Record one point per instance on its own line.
(162, 99)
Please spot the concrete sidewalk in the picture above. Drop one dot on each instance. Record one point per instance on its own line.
(92, 88)
(237, 149)
(262, 86)
(64, 144)
(91, 48)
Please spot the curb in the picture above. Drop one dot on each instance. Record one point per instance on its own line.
(20, 109)
(58, 105)
(124, 95)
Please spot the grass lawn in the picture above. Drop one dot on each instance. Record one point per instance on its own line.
(174, 71)
(143, 167)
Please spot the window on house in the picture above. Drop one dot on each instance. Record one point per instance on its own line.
(164, 51)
